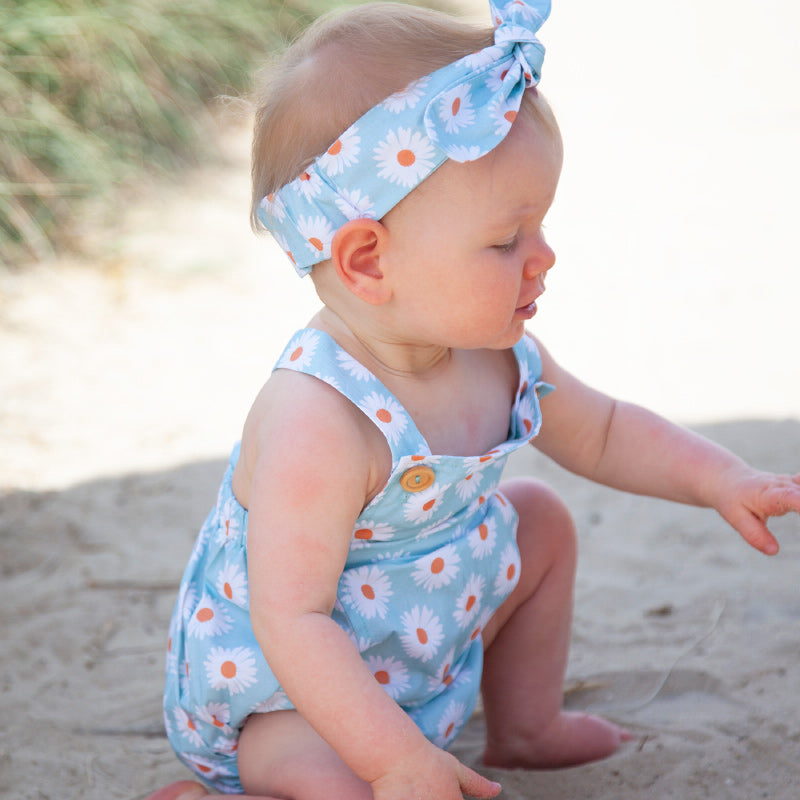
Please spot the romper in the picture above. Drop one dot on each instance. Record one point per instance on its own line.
(432, 557)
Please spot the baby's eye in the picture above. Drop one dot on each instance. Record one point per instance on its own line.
(508, 246)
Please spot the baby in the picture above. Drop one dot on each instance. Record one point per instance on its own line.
(364, 574)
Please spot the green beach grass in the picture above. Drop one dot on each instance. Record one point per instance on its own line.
(93, 92)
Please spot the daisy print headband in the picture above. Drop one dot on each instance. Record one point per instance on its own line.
(461, 112)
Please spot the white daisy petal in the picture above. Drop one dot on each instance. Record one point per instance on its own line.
(208, 619)
(483, 539)
(422, 633)
(470, 601)
(391, 674)
(300, 352)
(406, 98)
(405, 157)
(232, 584)
(436, 569)
(508, 574)
(367, 590)
(387, 414)
(450, 723)
(233, 669)
(318, 233)
(342, 153)
(185, 725)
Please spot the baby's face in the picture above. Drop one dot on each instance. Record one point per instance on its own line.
(467, 248)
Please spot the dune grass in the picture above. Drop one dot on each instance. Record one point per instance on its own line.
(92, 91)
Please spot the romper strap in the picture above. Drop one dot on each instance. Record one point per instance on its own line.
(317, 354)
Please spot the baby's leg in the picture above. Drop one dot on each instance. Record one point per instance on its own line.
(527, 642)
(281, 754)
(281, 757)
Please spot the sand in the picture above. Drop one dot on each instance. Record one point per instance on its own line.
(676, 287)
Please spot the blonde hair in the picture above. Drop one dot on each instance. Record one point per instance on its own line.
(340, 67)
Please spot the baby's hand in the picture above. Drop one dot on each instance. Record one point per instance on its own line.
(754, 497)
(432, 774)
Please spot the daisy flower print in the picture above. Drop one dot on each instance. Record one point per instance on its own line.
(443, 676)
(406, 98)
(233, 669)
(300, 352)
(367, 531)
(318, 233)
(420, 506)
(495, 77)
(464, 153)
(185, 725)
(507, 511)
(469, 485)
(272, 207)
(504, 115)
(469, 601)
(230, 526)
(526, 413)
(405, 157)
(367, 590)
(208, 620)
(478, 627)
(455, 109)
(422, 633)
(308, 184)
(387, 414)
(355, 205)
(276, 702)
(483, 539)
(482, 58)
(232, 584)
(450, 723)
(352, 367)
(391, 674)
(209, 768)
(216, 714)
(342, 153)
(508, 574)
(436, 569)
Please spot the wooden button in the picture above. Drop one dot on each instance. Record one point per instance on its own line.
(417, 479)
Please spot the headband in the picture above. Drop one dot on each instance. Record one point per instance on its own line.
(461, 112)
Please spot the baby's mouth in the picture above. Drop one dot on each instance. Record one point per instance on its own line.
(528, 310)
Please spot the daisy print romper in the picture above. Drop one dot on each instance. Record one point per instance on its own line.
(431, 559)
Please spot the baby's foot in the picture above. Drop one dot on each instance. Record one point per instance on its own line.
(182, 790)
(569, 740)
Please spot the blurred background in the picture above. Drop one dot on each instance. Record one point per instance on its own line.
(134, 295)
(139, 315)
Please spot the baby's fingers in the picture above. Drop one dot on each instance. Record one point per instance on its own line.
(474, 785)
(757, 535)
(782, 497)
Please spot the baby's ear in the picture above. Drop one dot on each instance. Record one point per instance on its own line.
(356, 253)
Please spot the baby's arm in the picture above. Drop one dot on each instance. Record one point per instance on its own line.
(310, 479)
(630, 448)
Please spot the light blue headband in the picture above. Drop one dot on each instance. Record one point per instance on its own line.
(461, 112)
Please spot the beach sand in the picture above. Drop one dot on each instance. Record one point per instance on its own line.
(126, 377)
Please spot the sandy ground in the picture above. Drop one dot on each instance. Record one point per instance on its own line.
(676, 287)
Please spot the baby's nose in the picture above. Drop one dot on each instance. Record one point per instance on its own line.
(541, 259)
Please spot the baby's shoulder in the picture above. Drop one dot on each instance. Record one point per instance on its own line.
(299, 418)
(301, 403)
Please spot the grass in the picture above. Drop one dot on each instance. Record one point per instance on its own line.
(93, 91)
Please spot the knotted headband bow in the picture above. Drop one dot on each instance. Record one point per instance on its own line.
(461, 112)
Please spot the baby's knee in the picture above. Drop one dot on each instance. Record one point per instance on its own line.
(545, 521)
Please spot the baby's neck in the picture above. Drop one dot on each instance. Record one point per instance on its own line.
(385, 355)
(460, 400)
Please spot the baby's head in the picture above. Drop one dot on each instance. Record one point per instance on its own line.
(346, 65)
